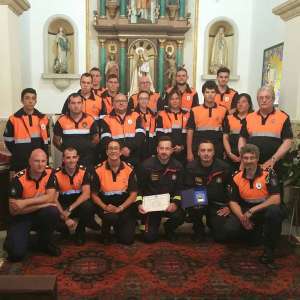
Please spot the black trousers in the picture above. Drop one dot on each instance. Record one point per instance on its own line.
(267, 226)
(222, 228)
(152, 221)
(43, 220)
(83, 212)
(123, 224)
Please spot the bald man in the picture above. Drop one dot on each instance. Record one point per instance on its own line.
(32, 204)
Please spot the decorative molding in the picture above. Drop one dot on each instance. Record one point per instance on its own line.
(288, 10)
(61, 81)
(17, 6)
(195, 42)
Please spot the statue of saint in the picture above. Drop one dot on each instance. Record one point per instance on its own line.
(171, 65)
(141, 67)
(219, 55)
(112, 66)
(142, 11)
(62, 48)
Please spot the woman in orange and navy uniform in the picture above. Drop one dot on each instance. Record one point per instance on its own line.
(172, 122)
(114, 191)
(232, 127)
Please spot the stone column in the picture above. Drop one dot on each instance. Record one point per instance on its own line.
(122, 64)
(123, 7)
(179, 53)
(289, 12)
(161, 59)
(10, 55)
(162, 10)
(102, 61)
(102, 8)
(181, 9)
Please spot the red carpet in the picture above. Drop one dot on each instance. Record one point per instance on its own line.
(182, 270)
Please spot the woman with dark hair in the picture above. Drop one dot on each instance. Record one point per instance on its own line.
(232, 128)
(172, 122)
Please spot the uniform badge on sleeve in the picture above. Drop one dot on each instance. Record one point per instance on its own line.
(226, 99)
(198, 180)
(219, 180)
(174, 177)
(188, 97)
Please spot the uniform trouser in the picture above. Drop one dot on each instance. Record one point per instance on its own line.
(267, 225)
(123, 224)
(17, 240)
(84, 212)
(221, 227)
(152, 220)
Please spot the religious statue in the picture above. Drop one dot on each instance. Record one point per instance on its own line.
(62, 47)
(171, 65)
(142, 11)
(141, 67)
(219, 55)
(112, 66)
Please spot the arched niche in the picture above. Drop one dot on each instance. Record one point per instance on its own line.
(230, 39)
(60, 51)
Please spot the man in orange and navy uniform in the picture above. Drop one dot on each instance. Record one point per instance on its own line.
(226, 96)
(189, 97)
(73, 187)
(114, 191)
(172, 122)
(148, 120)
(79, 130)
(269, 129)
(155, 103)
(125, 127)
(92, 103)
(26, 130)
(96, 75)
(112, 89)
(32, 204)
(206, 123)
(255, 203)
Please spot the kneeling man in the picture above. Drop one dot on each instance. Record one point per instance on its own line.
(255, 202)
(32, 204)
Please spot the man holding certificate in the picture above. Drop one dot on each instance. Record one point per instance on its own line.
(209, 177)
(160, 181)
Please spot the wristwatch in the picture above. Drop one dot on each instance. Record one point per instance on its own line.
(69, 210)
(122, 207)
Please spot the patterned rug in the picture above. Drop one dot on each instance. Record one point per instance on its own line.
(181, 270)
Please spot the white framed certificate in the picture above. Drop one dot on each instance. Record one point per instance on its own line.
(156, 202)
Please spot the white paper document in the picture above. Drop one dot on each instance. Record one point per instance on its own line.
(156, 202)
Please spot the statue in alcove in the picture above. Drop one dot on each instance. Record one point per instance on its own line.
(142, 11)
(171, 67)
(62, 48)
(219, 54)
(141, 67)
(112, 67)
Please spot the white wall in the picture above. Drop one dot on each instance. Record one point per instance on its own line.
(240, 12)
(267, 31)
(258, 29)
(50, 99)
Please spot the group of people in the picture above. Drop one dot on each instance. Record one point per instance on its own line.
(116, 151)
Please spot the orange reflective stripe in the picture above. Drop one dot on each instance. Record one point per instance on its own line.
(272, 127)
(69, 126)
(121, 130)
(30, 188)
(93, 106)
(110, 187)
(170, 122)
(234, 124)
(259, 191)
(24, 131)
(227, 99)
(204, 122)
(65, 187)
